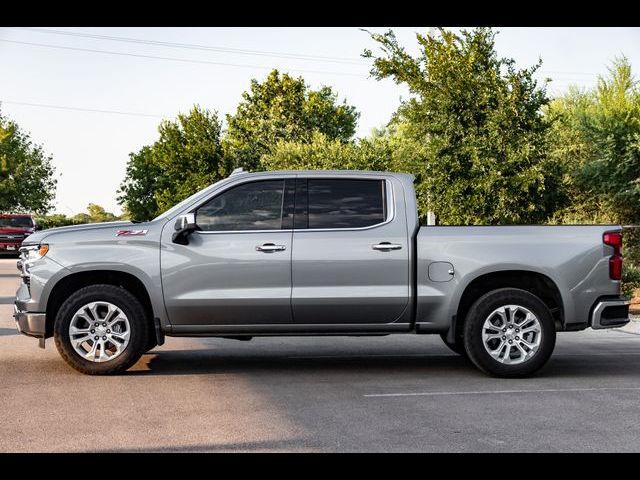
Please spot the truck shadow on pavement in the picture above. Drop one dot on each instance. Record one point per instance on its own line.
(8, 331)
(268, 445)
(190, 362)
(206, 362)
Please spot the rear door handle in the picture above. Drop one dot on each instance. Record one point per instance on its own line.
(270, 247)
(387, 246)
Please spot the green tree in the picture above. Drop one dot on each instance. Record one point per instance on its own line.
(27, 180)
(568, 149)
(480, 122)
(98, 214)
(323, 153)
(138, 191)
(54, 220)
(283, 108)
(605, 125)
(94, 214)
(596, 140)
(187, 157)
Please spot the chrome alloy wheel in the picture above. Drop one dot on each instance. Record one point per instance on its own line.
(99, 331)
(511, 334)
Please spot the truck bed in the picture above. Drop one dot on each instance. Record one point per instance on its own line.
(450, 258)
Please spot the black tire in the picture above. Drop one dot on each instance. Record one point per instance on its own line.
(131, 307)
(479, 312)
(457, 346)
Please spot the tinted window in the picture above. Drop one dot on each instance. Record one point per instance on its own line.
(21, 222)
(250, 206)
(343, 203)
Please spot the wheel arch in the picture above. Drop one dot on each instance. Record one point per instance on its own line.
(74, 281)
(531, 281)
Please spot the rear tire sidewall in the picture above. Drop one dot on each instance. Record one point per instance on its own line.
(479, 312)
(129, 305)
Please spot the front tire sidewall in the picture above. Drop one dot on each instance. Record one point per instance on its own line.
(479, 312)
(130, 306)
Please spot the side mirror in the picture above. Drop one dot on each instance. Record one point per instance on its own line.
(185, 224)
(37, 228)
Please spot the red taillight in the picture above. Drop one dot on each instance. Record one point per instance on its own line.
(615, 267)
(614, 239)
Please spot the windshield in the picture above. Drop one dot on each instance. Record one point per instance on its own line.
(19, 222)
(185, 202)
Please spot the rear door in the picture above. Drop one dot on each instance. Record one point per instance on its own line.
(350, 261)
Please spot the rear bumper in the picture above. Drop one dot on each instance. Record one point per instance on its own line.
(29, 323)
(609, 313)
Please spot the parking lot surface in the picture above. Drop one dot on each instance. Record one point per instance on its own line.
(395, 393)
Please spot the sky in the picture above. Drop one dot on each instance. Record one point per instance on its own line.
(90, 148)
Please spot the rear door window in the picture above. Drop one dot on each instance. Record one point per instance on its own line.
(345, 203)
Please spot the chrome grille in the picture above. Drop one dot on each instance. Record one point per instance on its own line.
(16, 237)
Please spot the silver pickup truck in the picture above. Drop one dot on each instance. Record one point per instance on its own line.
(316, 253)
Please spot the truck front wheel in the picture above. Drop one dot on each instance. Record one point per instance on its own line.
(101, 330)
(509, 333)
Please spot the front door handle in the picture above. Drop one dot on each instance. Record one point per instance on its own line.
(384, 246)
(270, 247)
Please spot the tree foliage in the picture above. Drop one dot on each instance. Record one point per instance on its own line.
(27, 180)
(597, 141)
(480, 121)
(323, 153)
(283, 108)
(187, 157)
(138, 191)
(94, 214)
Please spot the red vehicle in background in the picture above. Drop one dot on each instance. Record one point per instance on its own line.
(14, 228)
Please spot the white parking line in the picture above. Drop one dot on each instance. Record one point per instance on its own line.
(500, 392)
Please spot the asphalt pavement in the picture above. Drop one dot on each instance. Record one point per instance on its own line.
(319, 394)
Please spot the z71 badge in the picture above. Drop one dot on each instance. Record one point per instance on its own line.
(130, 233)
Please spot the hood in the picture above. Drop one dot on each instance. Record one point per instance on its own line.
(40, 235)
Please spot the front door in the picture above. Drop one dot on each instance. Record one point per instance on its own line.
(350, 258)
(236, 270)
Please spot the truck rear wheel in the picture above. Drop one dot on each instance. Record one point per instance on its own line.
(509, 333)
(101, 330)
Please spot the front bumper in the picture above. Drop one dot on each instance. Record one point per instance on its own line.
(29, 323)
(610, 313)
(10, 247)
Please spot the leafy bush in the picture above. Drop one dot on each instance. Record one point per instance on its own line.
(630, 279)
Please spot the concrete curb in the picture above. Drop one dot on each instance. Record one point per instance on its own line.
(633, 326)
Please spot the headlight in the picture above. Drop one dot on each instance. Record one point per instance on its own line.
(33, 252)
